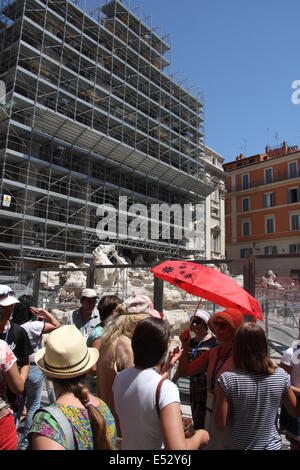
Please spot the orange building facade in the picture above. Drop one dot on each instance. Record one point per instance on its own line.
(262, 205)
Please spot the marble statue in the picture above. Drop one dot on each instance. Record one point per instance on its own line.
(269, 281)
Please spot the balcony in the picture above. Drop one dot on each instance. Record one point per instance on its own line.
(278, 177)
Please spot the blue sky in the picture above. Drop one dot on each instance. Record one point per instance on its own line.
(243, 55)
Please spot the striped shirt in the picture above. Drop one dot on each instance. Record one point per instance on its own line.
(254, 400)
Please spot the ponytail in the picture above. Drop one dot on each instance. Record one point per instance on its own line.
(98, 425)
(76, 386)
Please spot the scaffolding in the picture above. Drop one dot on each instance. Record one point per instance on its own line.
(90, 116)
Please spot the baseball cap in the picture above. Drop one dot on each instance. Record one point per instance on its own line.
(203, 314)
(89, 293)
(7, 296)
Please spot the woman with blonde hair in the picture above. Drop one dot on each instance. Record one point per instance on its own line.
(116, 351)
(249, 396)
(66, 359)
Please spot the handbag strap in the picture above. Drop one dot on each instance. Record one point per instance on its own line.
(157, 394)
(56, 413)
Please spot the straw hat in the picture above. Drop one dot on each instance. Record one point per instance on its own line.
(66, 354)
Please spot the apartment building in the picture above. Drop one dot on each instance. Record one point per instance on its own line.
(263, 203)
(90, 115)
(215, 207)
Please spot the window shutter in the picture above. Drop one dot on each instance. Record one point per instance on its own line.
(272, 199)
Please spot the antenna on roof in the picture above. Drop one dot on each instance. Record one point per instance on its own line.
(245, 147)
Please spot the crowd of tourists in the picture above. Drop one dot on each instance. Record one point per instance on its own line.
(115, 387)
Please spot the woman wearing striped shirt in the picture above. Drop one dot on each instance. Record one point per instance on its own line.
(249, 397)
(215, 361)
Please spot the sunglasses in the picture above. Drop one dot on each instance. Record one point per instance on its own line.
(3, 296)
(221, 325)
(90, 300)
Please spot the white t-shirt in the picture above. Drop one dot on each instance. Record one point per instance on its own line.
(34, 330)
(134, 396)
(295, 365)
(7, 360)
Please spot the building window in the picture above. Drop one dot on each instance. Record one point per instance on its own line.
(215, 196)
(270, 250)
(293, 195)
(294, 222)
(215, 241)
(245, 181)
(246, 204)
(293, 170)
(269, 200)
(268, 175)
(245, 252)
(270, 224)
(294, 248)
(246, 228)
(295, 274)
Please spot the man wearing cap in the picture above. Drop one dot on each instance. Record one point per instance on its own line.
(17, 339)
(86, 318)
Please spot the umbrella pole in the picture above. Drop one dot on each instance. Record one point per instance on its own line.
(196, 310)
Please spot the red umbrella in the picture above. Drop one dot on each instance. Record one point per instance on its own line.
(209, 284)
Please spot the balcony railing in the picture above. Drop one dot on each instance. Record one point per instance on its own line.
(277, 177)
